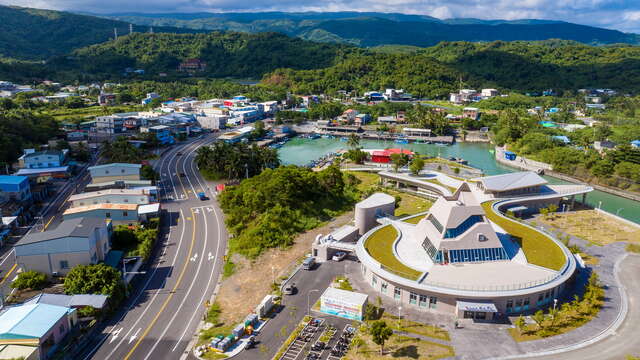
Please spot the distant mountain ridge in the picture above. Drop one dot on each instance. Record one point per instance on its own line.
(373, 28)
(35, 34)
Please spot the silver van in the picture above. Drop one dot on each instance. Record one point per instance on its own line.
(309, 263)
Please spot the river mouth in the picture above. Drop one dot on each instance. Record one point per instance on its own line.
(300, 151)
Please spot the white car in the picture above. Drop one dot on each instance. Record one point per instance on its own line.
(339, 256)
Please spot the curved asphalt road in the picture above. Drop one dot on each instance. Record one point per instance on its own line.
(160, 317)
(625, 341)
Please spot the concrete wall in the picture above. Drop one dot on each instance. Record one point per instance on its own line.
(50, 263)
(447, 303)
(113, 199)
(366, 217)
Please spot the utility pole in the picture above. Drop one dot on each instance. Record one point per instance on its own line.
(130, 29)
(115, 33)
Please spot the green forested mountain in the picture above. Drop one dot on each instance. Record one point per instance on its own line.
(372, 29)
(226, 54)
(36, 34)
(435, 71)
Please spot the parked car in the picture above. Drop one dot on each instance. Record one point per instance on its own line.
(339, 256)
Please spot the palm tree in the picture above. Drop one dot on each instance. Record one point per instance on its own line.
(354, 141)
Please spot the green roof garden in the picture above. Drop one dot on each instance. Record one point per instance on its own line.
(538, 247)
(380, 246)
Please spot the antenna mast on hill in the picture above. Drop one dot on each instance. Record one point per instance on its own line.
(460, 82)
(130, 29)
(115, 33)
(151, 30)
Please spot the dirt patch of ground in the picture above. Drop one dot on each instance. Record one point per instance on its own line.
(593, 226)
(242, 292)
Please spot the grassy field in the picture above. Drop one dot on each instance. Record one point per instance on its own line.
(62, 114)
(416, 328)
(399, 347)
(379, 246)
(593, 226)
(538, 248)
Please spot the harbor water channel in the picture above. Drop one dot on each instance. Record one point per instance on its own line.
(300, 151)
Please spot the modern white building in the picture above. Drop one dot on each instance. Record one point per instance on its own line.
(112, 196)
(456, 259)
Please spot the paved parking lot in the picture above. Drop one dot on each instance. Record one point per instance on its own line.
(324, 338)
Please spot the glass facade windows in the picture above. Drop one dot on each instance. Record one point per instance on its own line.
(397, 293)
(423, 301)
(384, 288)
(509, 306)
(525, 305)
(374, 280)
(464, 226)
(413, 298)
(430, 249)
(474, 255)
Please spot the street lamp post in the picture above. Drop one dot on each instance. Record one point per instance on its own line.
(308, 304)
(400, 317)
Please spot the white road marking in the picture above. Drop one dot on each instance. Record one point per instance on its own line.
(194, 257)
(114, 335)
(133, 337)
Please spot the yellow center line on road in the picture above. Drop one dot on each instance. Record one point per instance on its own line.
(175, 287)
(9, 273)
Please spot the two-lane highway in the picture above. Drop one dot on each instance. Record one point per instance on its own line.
(164, 310)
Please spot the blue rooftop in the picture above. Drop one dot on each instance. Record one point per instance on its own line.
(30, 321)
(12, 179)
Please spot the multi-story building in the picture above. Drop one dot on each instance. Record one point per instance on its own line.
(16, 188)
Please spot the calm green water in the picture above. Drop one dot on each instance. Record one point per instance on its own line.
(300, 151)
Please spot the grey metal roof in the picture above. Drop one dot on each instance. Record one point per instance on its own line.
(95, 301)
(78, 227)
(512, 181)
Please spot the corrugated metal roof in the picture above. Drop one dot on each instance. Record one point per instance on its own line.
(350, 297)
(95, 301)
(115, 164)
(512, 181)
(79, 227)
(103, 206)
(30, 321)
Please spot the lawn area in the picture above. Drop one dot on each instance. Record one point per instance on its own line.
(411, 204)
(592, 226)
(379, 246)
(367, 179)
(538, 248)
(62, 114)
(399, 347)
(416, 328)
(415, 219)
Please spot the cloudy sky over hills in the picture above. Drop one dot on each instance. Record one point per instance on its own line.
(622, 15)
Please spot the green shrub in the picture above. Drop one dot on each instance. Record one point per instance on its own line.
(30, 280)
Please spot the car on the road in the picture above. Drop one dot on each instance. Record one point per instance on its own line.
(202, 196)
(289, 289)
(339, 256)
(309, 263)
(179, 154)
(183, 174)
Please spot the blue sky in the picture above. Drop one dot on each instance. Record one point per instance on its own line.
(622, 15)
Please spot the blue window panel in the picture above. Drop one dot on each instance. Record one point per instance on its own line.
(464, 226)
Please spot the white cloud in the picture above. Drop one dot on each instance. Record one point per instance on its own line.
(616, 14)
